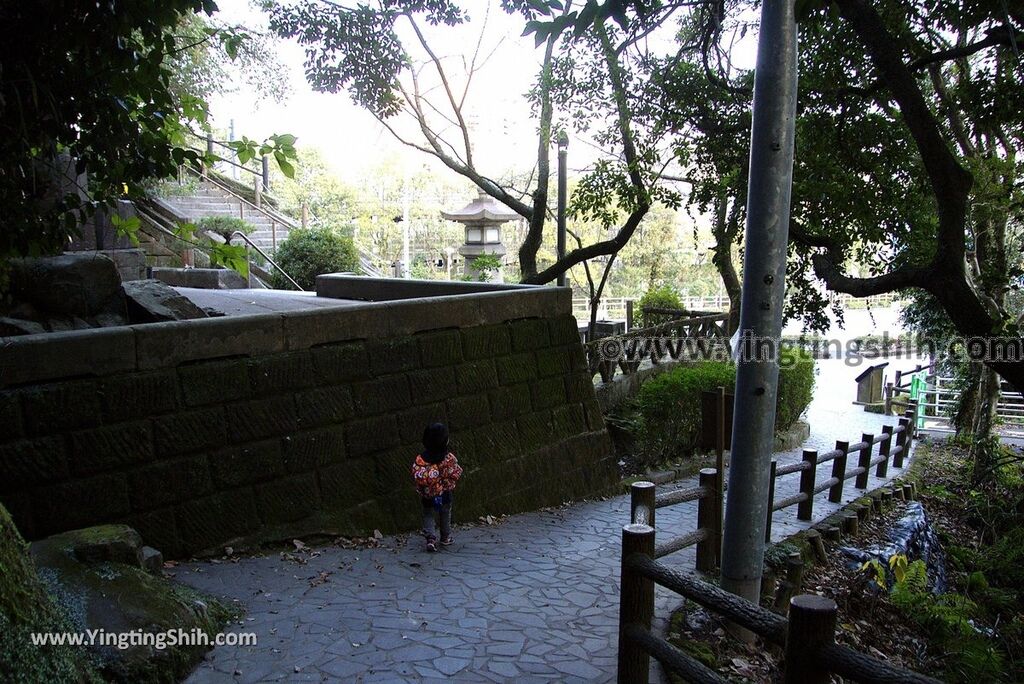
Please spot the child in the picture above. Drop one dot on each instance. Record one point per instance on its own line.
(435, 473)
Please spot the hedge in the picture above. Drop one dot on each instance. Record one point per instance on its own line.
(669, 406)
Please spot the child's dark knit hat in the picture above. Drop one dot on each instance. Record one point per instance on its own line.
(435, 440)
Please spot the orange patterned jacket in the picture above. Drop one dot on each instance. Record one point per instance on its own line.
(434, 479)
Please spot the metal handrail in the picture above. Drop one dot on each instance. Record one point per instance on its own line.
(272, 214)
(273, 263)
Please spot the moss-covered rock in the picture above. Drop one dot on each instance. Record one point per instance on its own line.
(25, 608)
(98, 581)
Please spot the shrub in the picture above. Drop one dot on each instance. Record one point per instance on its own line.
(661, 297)
(307, 253)
(669, 406)
(224, 226)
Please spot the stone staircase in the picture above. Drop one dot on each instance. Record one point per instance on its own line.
(209, 199)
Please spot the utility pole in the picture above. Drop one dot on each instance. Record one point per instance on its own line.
(563, 151)
(764, 277)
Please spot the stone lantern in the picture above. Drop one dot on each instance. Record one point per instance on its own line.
(482, 218)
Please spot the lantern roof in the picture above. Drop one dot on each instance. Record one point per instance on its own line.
(483, 209)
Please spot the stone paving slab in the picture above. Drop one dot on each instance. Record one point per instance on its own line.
(532, 599)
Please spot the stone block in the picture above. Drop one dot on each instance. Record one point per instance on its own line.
(411, 422)
(312, 450)
(242, 465)
(158, 529)
(432, 384)
(346, 485)
(393, 355)
(369, 435)
(468, 411)
(595, 417)
(362, 519)
(252, 420)
(278, 373)
(511, 401)
(516, 368)
(548, 392)
(288, 500)
(134, 395)
(529, 334)
(112, 447)
(311, 328)
(577, 357)
(569, 420)
(553, 361)
(152, 560)
(440, 348)
(476, 376)
(29, 462)
(564, 330)
(48, 409)
(389, 393)
(163, 345)
(486, 341)
(189, 431)
(169, 482)
(75, 284)
(340, 363)
(151, 301)
(81, 503)
(10, 415)
(580, 388)
(77, 353)
(215, 382)
(394, 469)
(103, 544)
(497, 441)
(208, 523)
(535, 430)
(325, 406)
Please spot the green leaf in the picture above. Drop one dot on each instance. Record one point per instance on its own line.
(286, 166)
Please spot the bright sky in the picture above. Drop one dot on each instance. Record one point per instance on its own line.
(352, 140)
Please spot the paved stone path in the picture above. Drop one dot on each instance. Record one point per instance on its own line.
(530, 599)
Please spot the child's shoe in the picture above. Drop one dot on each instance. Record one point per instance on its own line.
(447, 541)
(431, 544)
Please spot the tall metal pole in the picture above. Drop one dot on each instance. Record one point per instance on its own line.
(563, 145)
(764, 271)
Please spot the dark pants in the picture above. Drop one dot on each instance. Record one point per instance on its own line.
(445, 515)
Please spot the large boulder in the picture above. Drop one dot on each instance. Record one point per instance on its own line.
(106, 580)
(151, 301)
(71, 285)
(26, 608)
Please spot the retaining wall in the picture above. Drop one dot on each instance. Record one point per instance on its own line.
(236, 430)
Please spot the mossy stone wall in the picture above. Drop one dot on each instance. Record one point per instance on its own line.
(198, 453)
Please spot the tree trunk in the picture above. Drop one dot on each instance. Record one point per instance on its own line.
(983, 447)
(724, 231)
(967, 406)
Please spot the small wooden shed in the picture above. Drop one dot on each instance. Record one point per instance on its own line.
(870, 385)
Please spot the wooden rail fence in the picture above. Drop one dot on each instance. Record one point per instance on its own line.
(894, 444)
(677, 339)
(809, 632)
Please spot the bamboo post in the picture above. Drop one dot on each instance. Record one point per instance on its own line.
(641, 503)
(812, 625)
(882, 470)
(908, 492)
(708, 519)
(791, 585)
(258, 191)
(636, 604)
(851, 523)
(833, 533)
(902, 442)
(805, 509)
(865, 462)
(265, 173)
(835, 492)
(814, 537)
(771, 502)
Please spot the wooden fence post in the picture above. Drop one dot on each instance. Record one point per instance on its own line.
(641, 500)
(771, 502)
(911, 415)
(902, 442)
(812, 625)
(708, 519)
(888, 398)
(720, 429)
(636, 605)
(805, 509)
(835, 492)
(883, 450)
(629, 315)
(865, 461)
